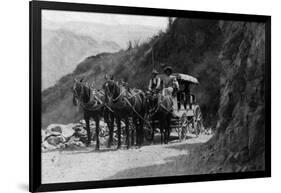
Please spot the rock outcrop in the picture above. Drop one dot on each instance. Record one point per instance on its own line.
(239, 143)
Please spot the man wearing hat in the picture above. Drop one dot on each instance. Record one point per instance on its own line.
(169, 82)
(154, 82)
(170, 86)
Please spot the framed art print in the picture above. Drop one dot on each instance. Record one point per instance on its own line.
(126, 96)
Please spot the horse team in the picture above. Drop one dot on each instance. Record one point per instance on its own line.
(115, 103)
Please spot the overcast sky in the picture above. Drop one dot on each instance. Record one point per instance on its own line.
(110, 19)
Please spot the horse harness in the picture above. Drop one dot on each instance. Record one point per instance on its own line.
(93, 108)
(159, 104)
(126, 99)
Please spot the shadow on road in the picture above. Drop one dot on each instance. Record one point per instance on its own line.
(174, 165)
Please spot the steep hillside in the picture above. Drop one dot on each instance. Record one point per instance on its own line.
(57, 104)
(192, 46)
(62, 50)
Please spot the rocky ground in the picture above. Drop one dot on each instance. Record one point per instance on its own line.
(72, 136)
(66, 158)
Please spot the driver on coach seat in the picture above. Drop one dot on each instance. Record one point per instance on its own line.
(154, 82)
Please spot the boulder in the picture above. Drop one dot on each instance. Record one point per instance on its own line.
(74, 142)
(55, 140)
(67, 130)
(57, 129)
(46, 146)
(53, 130)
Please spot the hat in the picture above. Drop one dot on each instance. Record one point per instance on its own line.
(154, 71)
(168, 68)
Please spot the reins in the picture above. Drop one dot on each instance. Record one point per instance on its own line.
(98, 99)
(128, 102)
(121, 93)
(134, 94)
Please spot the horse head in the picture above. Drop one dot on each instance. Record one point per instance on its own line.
(112, 91)
(151, 101)
(81, 92)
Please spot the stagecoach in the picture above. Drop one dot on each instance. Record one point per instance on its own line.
(187, 119)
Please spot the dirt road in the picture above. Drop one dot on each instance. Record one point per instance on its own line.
(148, 161)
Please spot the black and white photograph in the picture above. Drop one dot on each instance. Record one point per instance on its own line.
(140, 96)
(131, 96)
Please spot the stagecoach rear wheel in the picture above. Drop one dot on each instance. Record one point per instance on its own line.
(198, 121)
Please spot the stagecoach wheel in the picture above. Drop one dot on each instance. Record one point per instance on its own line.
(198, 120)
(196, 129)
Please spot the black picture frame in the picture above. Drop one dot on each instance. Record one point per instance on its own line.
(35, 8)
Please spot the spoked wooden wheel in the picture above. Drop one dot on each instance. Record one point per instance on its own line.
(198, 121)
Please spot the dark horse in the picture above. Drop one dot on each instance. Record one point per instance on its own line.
(159, 108)
(94, 107)
(126, 104)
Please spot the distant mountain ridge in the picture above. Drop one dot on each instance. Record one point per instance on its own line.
(64, 45)
(62, 50)
(120, 34)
